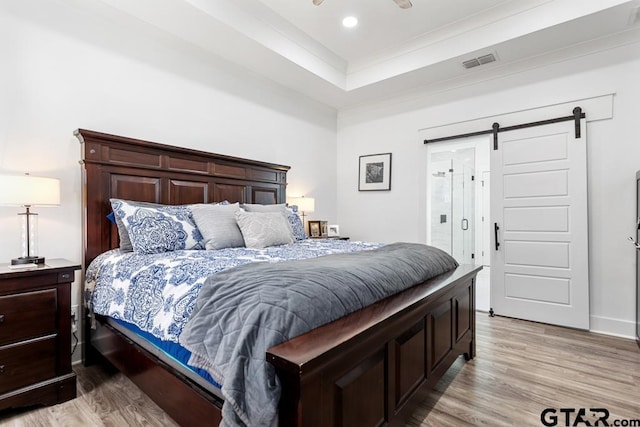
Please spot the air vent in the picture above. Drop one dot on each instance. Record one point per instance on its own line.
(471, 63)
(484, 59)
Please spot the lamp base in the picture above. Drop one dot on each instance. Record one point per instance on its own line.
(28, 260)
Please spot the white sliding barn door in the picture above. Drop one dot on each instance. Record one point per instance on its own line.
(540, 269)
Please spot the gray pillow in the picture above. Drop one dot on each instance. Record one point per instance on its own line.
(253, 207)
(218, 226)
(262, 229)
(125, 241)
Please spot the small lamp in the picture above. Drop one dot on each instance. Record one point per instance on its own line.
(28, 191)
(305, 204)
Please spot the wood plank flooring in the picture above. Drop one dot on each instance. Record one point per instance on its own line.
(524, 367)
(521, 368)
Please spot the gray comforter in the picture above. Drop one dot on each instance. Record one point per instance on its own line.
(242, 312)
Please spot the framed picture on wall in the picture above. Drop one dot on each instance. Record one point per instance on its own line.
(375, 172)
(314, 228)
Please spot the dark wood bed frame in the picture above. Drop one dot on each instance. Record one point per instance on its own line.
(369, 368)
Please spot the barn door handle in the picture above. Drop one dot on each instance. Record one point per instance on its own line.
(464, 224)
(495, 230)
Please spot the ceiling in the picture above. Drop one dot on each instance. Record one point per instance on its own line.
(392, 51)
(383, 27)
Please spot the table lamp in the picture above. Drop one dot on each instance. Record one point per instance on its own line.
(304, 204)
(28, 191)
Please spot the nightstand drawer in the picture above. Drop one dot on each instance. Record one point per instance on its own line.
(27, 363)
(27, 315)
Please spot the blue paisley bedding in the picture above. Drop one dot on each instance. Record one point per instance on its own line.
(157, 292)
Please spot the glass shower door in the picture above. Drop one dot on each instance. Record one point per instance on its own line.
(453, 203)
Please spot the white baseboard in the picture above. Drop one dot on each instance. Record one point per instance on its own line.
(615, 327)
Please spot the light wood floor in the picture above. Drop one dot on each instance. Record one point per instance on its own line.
(521, 368)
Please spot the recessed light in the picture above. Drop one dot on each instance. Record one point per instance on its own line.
(350, 21)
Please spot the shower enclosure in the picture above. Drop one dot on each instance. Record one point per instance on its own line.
(452, 203)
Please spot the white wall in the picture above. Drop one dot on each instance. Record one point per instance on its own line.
(64, 67)
(613, 158)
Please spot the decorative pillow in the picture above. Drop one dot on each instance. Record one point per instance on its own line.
(252, 207)
(218, 226)
(296, 223)
(262, 229)
(125, 241)
(155, 229)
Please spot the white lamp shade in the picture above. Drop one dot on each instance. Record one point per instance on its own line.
(305, 204)
(27, 190)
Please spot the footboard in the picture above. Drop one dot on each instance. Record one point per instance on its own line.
(371, 367)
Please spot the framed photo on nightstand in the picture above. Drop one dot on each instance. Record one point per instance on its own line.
(314, 228)
(334, 230)
(318, 228)
(324, 226)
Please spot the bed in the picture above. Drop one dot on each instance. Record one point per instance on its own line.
(367, 368)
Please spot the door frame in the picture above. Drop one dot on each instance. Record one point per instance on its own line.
(482, 145)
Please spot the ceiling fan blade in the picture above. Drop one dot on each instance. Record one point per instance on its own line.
(317, 2)
(404, 4)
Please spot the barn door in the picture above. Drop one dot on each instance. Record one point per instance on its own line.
(539, 262)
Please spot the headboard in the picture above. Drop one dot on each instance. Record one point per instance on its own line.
(126, 168)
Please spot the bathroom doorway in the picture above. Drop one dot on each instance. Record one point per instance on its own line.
(458, 205)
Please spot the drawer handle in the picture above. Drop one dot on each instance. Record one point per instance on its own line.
(1, 369)
(1, 318)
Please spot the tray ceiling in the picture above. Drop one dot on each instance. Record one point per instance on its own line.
(392, 51)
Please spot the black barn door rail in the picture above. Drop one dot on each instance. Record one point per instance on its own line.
(495, 129)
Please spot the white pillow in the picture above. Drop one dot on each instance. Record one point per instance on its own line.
(262, 229)
(218, 226)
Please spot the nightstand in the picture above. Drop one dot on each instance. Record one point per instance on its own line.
(35, 334)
